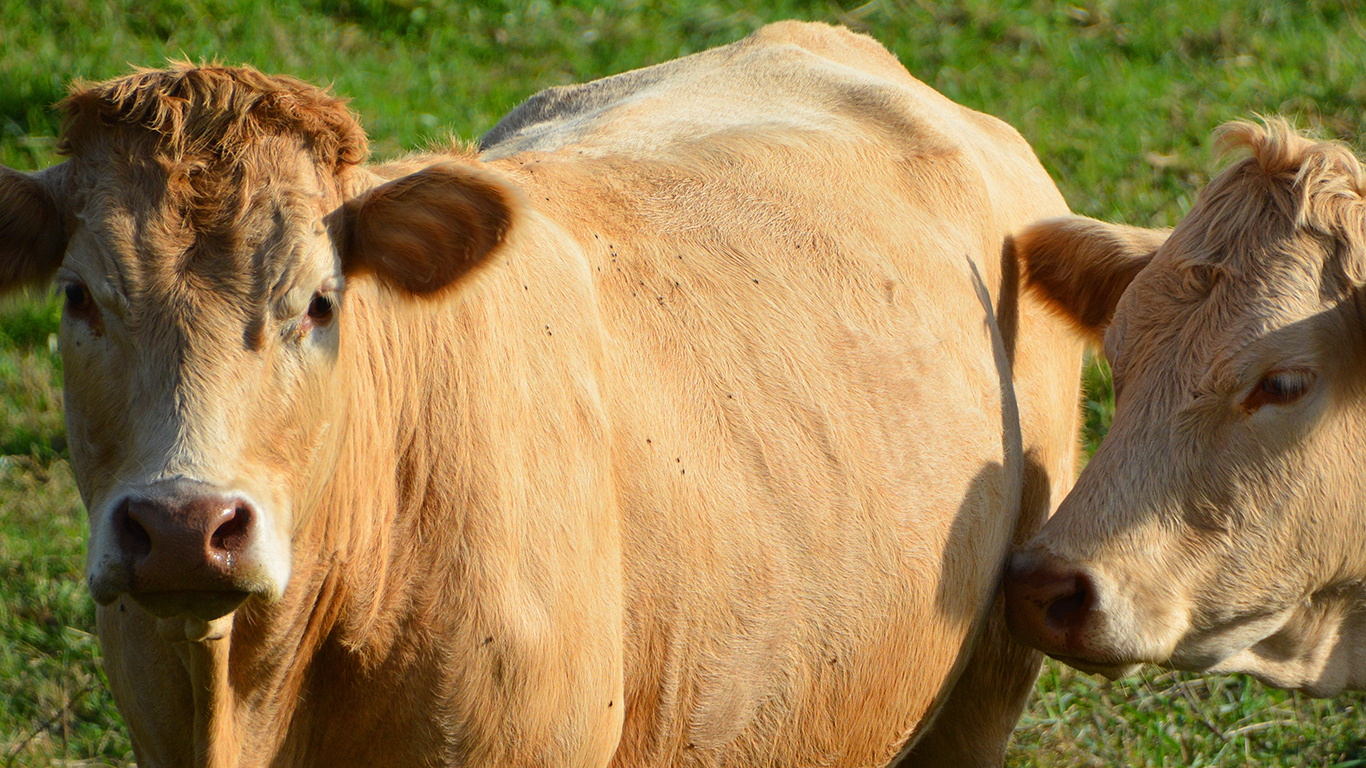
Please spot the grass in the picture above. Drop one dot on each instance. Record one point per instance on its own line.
(1118, 97)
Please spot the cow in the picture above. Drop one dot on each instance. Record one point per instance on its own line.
(1217, 528)
(688, 420)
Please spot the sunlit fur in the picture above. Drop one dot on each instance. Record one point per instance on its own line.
(1221, 524)
(714, 459)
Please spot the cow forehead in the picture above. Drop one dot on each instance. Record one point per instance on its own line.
(1195, 311)
(241, 230)
(204, 172)
(1272, 239)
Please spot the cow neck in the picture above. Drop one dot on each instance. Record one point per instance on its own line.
(215, 735)
(363, 521)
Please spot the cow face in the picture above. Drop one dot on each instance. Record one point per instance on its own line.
(204, 235)
(1218, 526)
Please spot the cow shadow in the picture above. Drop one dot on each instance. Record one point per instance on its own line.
(965, 536)
(1030, 510)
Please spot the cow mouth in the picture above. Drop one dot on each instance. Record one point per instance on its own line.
(202, 604)
(1111, 670)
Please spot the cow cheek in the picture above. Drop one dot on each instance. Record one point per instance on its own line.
(95, 402)
(296, 442)
(1255, 560)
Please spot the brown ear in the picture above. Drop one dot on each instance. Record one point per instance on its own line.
(32, 229)
(423, 231)
(1082, 266)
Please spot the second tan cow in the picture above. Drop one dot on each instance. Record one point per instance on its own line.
(679, 427)
(1219, 526)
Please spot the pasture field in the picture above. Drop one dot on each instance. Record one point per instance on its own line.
(1118, 97)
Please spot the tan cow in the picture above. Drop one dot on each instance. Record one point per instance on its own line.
(675, 429)
(1219, 525)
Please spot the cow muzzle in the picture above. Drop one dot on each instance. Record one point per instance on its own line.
(183, 551)
(1051, 606)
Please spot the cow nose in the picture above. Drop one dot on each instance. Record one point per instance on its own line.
(1048, 604)
(178, 544)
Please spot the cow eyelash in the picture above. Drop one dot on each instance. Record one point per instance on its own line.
(321, 309)
(1279, 387)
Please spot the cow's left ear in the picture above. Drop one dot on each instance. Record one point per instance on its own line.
(423, 231)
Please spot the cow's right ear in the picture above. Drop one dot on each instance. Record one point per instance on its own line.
(1082, 266)
(32, 228)
(423, 231)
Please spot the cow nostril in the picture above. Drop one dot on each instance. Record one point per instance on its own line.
(1070, 603)
(1064, 611)
(133, 538)
(233, 533)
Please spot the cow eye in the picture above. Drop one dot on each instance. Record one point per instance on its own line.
(77, 298)
(321, 308)
(1279, 387)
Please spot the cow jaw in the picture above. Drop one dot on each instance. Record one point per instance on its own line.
(1316, 646)
(1320, 649)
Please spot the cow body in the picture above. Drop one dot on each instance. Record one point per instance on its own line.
(1216, 527)
(707, 452)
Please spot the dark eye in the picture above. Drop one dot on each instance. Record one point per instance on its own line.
(1279, 387)
(77, 298)
(320, 309)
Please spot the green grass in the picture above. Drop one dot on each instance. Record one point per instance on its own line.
(1118, 98)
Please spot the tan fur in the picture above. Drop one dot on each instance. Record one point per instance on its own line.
(423, 231)
(196, 112)
(1218, 519)
(1082, 266)
(713, 461)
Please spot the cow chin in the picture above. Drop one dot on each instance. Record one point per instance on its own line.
(203, 604)
(1110, 670)
(190, 603)
(206, 601)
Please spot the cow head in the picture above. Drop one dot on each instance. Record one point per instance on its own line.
(1221, 525)
(205, 232)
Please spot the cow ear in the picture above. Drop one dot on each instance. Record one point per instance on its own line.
(1082, 266)
(423, 231)
(33, 231)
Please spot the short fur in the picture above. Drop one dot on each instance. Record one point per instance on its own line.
(714, 459)
(1218, 523)
(1081, 266)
